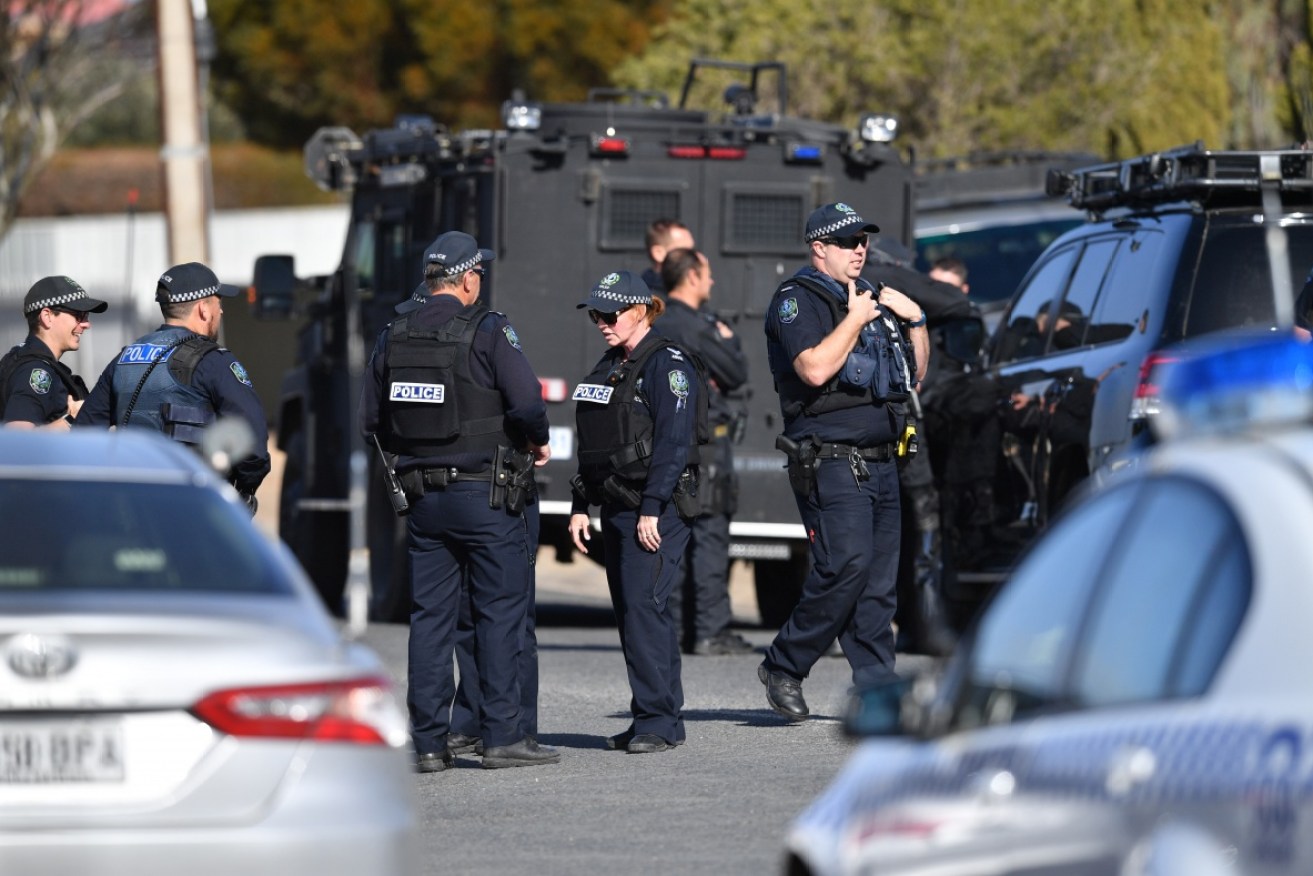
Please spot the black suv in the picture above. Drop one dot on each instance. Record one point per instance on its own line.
(1179, 244)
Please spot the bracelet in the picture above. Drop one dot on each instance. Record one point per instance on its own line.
(918, 323)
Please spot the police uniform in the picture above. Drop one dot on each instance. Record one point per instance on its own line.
(637, 422)
(447, 385)
(707, 578)
(34, 385)
(177, 381)
(847, 493)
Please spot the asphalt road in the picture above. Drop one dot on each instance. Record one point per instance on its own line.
(718, 804)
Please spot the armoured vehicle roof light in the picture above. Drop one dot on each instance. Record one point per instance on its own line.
(1237, 382)
(803, 153)
(878, 128)
(522, 115)
(727, 153)
(687, 151)
(326, 158)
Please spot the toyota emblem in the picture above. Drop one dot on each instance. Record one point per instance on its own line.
(36, 656)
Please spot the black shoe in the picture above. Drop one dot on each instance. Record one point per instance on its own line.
(723, 643)
(620, 741)
(647, 743)
(783, 694)
(459, 743)
(433, 762)
(526, 752)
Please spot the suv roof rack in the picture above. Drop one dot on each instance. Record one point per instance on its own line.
(1188, 173)
(989, 177)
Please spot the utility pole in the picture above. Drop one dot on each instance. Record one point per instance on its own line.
(185, 153)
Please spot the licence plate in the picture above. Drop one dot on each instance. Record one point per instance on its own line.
(61, 751)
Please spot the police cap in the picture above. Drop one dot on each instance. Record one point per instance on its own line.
(60, 291)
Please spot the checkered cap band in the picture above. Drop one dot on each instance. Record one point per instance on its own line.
(833, 227)
(462, 267)
(610, 295)
(197, 295)
(55, 301)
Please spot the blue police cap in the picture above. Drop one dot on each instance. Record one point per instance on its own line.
(837, 220)
(617, 290)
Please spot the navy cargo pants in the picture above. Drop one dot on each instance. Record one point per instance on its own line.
(641, 582)
(453, 532)
(466, 710)
(851, 587)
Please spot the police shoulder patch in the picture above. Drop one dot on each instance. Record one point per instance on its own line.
(788, 311)
(40, 381)
(240, 373)
(511, 337)
(679, 383)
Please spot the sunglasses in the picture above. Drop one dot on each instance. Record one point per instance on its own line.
(79, 315)
(598, 316)
(856, 241)
(479, 271)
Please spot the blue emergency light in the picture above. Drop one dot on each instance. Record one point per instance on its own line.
(1235, 382)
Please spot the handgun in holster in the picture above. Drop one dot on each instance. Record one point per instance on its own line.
(512, 479)
(621, 493)
(802, 462)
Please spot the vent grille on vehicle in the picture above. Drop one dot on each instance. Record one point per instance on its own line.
(630, 210)
(765, 222)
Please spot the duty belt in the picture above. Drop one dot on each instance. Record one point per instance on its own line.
(440, 477)
(878, 453)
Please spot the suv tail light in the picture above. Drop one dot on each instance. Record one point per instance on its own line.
(360, 711)
(1147, 402)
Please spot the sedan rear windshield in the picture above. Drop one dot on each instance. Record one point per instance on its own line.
(67, 535)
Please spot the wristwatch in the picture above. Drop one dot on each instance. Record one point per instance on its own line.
(920, 321)
(68, 418)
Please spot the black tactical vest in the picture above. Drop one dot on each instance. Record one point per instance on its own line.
(20, 354)
(434, 406)
(798, 398)
(152, 377)
(614, 430)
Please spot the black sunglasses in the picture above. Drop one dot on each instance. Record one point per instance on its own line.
(79, 315)
(854, 242)
(479, 271)
(598, 316)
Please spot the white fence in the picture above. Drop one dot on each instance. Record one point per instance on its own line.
(120, 258)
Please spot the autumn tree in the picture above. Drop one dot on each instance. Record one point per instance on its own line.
(1111, 76)
(292, 66)
(59, 63)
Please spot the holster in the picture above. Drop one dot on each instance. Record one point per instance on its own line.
(583, 491)
(802, 462)
(512, 479)
(185, 423)
(412, 484)
(618, 491)
(685, 497)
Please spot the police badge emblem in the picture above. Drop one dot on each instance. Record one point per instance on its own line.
(40, 381)
(788, 310)
(240, 373)
(512, 338)
(679, 388)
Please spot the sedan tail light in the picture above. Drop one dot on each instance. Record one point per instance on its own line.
(360, 711)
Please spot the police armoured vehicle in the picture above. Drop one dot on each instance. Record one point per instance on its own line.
(564, 193)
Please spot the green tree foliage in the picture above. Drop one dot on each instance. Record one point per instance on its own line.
(291, 66)
(1113, 76)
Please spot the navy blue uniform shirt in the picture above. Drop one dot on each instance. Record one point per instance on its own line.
(225, 382)
(496, 362)
(799, 320)
(37, 392)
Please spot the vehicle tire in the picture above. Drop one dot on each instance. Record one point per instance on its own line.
(319, 540)
(779, 587)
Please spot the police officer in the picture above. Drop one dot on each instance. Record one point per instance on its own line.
(702, 602)
(837, 350)
(464, 735)
(35, 389)
(637, 415)
(177, 379)
(449, 390)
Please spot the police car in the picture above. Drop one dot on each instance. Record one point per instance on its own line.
(1128, 703)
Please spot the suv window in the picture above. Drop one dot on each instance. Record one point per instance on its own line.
(1233, 285)
(1023, 336)
(1023, 646)
(1181, 547)
(1123, 307)
(1075, 309)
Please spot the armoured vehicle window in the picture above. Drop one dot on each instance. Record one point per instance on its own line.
(1024, 643)
(1150, 593)
(767, 222)
(1023, 336)
(1123, 306)
(626, 213)
(1233, 285)
(1074, 312)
